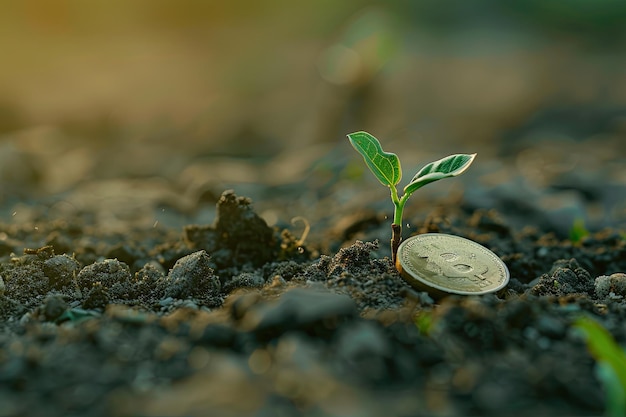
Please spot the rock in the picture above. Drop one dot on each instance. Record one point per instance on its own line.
(53, 307)
(192, 276)
(565, 277)
(97, 297)
(149, 282)
(244, 280)
(613, 286)
(60, 270)
(166, 302)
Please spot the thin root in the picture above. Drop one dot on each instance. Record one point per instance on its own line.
(305, 232)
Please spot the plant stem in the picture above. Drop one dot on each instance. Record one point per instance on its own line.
(396, 226)
(396, 238)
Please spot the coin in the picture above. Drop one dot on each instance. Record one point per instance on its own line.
(445, 264)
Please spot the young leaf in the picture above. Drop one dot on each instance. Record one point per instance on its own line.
(611, 360)
(603, 347)
(384, 165)
(447, 167)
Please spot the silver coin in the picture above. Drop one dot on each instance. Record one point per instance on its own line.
(445, 264)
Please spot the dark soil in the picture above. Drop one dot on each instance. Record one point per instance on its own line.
(242, 319)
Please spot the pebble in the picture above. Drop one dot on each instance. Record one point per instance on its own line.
(60, 270)
(191, 276)
(244, 280)
(613, 286)
(166, 301)
(54, 306)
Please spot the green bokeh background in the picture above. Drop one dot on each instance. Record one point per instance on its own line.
(207, 95)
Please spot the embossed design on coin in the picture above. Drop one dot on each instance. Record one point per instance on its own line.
(441, 263)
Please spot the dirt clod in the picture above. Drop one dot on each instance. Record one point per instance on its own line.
(192, 276)
(61, 270)
(110, 277)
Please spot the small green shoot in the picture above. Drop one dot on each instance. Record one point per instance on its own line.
(386, 168)
(611, 360)
(578, 231)
(424, 322)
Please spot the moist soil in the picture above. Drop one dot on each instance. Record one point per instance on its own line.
(238, 318)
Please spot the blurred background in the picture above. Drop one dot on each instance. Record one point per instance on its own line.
(143, 112)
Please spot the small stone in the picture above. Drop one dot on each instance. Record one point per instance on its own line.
(60, 270)
(613, 286)
(192, 276)
(565, 277)
(278, 281)
(189, 304)
(149, 282)
(619, 283)
(603, 286)
(53, 307)
(97, 297)
(166, 301)
(150, 273)
(244, 280)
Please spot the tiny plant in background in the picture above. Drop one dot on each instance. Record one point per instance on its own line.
(424, 322)
(386, 167)
(578, 231)
(611, 362)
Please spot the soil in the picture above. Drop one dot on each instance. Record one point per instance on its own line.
(239, 318)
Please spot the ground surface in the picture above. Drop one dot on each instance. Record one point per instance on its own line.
(241, 319)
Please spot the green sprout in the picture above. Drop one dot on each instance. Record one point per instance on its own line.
(424, 322)
(578, 231)
(611, 362)
(386, 167)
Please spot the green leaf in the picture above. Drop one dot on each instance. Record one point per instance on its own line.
(578, 231)
(384, 165)
(447, 167)
(611, 361)
(604, 347)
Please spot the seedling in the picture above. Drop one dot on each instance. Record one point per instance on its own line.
(611, 362)
(578, 231)
(386, 167)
